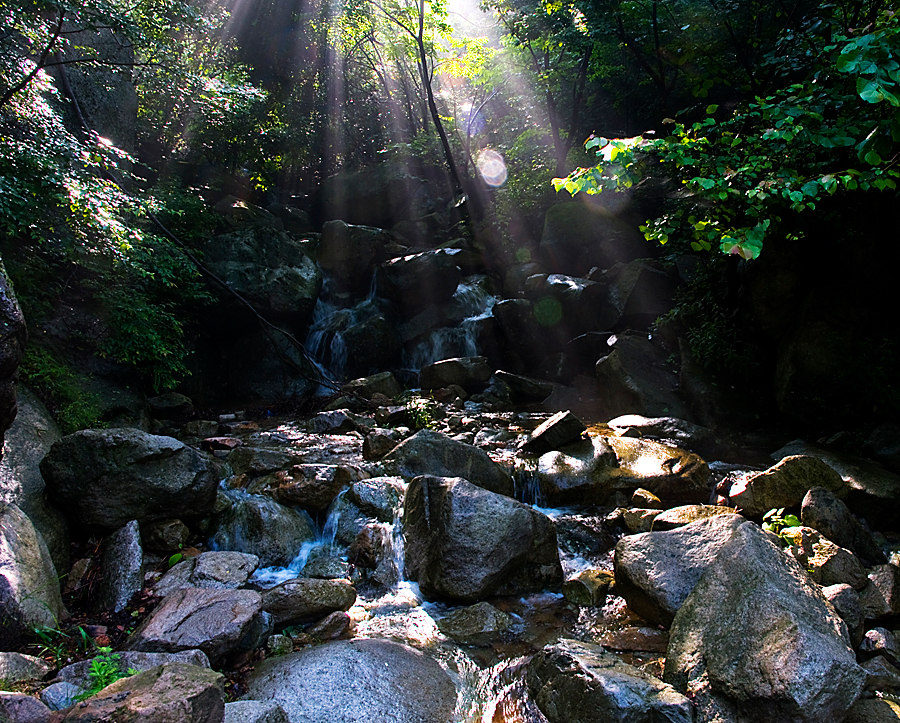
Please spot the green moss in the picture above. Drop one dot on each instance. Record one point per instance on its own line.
(58, 386)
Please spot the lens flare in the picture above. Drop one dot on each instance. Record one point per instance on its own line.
(492, 167)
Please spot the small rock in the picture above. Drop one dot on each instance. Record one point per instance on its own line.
(588, 588)
(212, 444)
(479, 624)
(649, 640)
(646, 499)
(122, 568)
(21, 708)
(216, 570)
(637, 520)
(254, 711)
(881, 675)
(881, 597)
(873, 710)
(846, 601)
(784, 485)
(685, 514)
(300, 599)
(165, 536)
(561, 429)
(824, 512)
(16, 667)
(58, 696)
(279, 645)
(333, 626)
(378, 443)
(879, 641)
(171, 405)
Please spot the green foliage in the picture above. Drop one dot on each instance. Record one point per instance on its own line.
(422, 411)
(777, 155)
(776, 521)
(51, 643)
(57, 384)
(105, 669)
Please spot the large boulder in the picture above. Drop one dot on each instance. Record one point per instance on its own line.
(169, 693)
(305, 599)
(216, 570)
(350, 254)
(784, 485)
(218, 622)
(470, 373)
(416, 281)
(433, 453)
(824, 512)
(636, 295)
(466, 543)
(578, 236)
(27, 442)
(593, 471)
(874, 492)
(756, 640)
(656, 571)
(576, 682)
(29, 587)
(357, 680)
(635, 378)
(108, 477)
(260, 526)
(271, 269)
(578, 300)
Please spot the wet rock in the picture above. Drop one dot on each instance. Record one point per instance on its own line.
(16, 667)
(873, 491)
(416, 281)
(578, 236)
(685, 514)
(879, 641)
(635, 379)
(881, 597)
(649, 640)
(271, 269)
(312, 486)
(432, 453)
(824, 512)
(21, 708)
(371, 344)
(381, 383)
(201, 428)
(170, 693)
(261, 526)
(218, 622)
(846, 601)
(656, 571)
(478, 624)
(378, 497)
(26, 443)
(470, 373)
(465, 543)
(326, 568)
(561, 429)
(122, 568)
(784, 485)
(588, 588)
(575, 682)
(254, 711)
(165, 536)
(302, 599)
(756, 640)
(365, 680)
(29, 587)
(80, 673)
(108, 477)
(216, 570)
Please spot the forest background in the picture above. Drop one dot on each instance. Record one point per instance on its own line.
(758, 129)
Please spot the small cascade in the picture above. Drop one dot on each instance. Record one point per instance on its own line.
(527, 483)
(331, 318)
(471, 304)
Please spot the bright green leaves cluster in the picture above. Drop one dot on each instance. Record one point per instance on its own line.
(780, 154)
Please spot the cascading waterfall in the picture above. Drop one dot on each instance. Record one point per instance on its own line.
(472, 303)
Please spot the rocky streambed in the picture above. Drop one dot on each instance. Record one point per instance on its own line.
(491, 566)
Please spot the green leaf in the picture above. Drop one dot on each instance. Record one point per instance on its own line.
(869, 90)
(710, 109)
